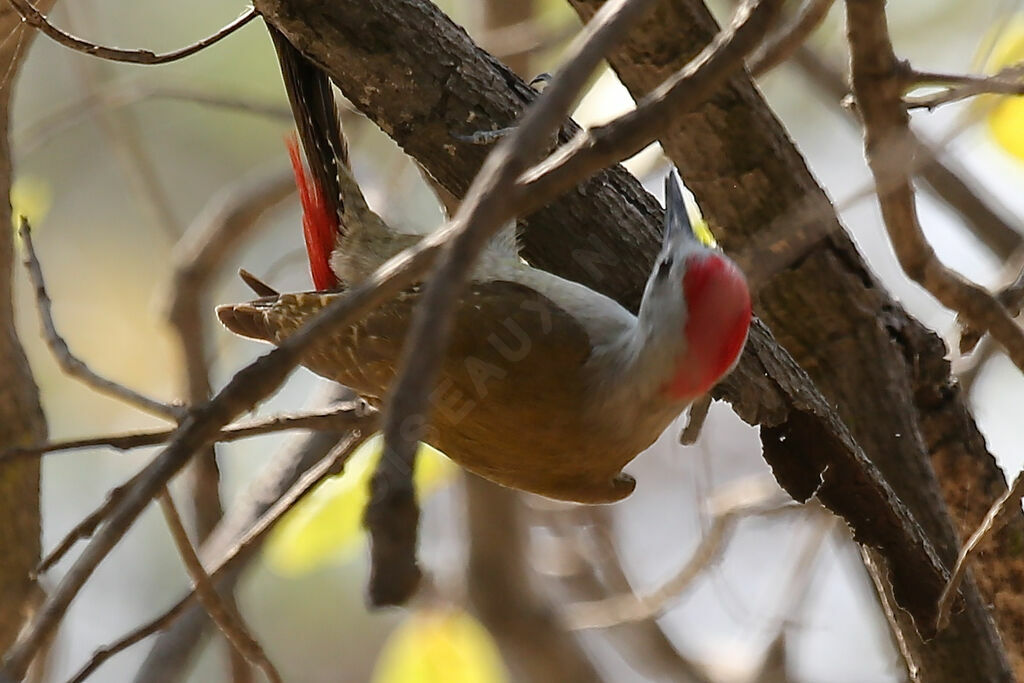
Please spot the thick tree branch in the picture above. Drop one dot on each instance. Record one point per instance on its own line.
(21, 416)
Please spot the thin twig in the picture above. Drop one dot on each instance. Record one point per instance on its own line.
(392, 514)
(229, 622)
(890, 147)
(685, 90)
(168, 656)
(967, 369)
(585, 534)
(781, 44)
(68, 362)
(344, 417)
(338, 418)
(86, 527)
(1011, 297)
(747, 498)
(982, 212)
(328, 465)
(962, 86)
(35, 18)
(795, 594)
(1008, 502)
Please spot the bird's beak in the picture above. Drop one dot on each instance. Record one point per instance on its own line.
(677, 221)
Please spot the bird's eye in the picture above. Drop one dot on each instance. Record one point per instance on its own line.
(664, 267)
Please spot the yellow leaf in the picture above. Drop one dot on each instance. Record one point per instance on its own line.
(1006, 124)
(439, 646)
(1005, 118)
(30, 197)
(327, 525)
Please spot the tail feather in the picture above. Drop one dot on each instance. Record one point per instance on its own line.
(316, 118)
(319, 224)
(247, 320)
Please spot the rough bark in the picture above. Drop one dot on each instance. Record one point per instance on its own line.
(21, 417)
(829, 311)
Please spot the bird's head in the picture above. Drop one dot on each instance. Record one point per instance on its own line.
(696, 304)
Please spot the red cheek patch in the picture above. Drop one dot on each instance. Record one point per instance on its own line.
(716, 328)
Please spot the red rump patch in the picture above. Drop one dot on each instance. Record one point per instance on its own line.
(716, 328)
(319, 227)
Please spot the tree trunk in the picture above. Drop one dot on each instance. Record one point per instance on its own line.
(21, 417)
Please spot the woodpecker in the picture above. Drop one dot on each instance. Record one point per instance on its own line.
(547, 386)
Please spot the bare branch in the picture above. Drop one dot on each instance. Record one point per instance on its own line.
(502, 592)
(121, 129)
(781, 44)
(1011, 297)
(35, 18)
(890, 148)
(585, 538)
(981, 211)
(996, 515)
(745, 499)
(68, 362)
(631, 132)
(226, 220)
(339, 418)
(330, 464)
(962, 86)
(229, 622)
(86, 527)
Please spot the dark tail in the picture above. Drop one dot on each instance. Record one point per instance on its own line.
(316, 117)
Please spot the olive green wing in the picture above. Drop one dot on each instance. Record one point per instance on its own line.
(508, 343)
